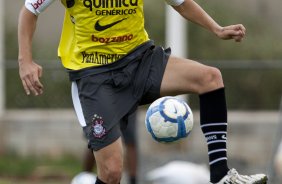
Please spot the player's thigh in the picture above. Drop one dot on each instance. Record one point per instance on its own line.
(184, 76)
(109, 159)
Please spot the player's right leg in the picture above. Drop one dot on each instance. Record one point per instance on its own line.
(109, 162)
(103, 136)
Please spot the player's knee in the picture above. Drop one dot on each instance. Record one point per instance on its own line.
(211, 80)
(113, 173)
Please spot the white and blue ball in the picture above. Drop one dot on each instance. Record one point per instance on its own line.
(84, 178)
(169, 119)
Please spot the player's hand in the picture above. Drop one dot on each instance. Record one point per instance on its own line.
(30, 73)
(235, 32)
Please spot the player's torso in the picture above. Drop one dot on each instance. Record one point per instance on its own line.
(105, 30)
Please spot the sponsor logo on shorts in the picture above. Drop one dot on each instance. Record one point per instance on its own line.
(97, 126)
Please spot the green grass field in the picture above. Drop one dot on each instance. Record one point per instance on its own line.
(34, 170)
(12, 181)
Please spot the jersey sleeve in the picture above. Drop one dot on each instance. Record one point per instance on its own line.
(37, 6)
(175, 2)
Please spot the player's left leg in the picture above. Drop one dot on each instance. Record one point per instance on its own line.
(129, 136)
(184, 76)
(88, 161)
(131, 156)
(187, 76)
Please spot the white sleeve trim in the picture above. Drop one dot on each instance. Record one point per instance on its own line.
(175, 2)
(37, 6)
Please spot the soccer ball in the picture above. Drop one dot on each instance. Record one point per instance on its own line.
(169, 119)
(84, 178)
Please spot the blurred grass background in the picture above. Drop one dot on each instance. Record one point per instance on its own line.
(30, 169)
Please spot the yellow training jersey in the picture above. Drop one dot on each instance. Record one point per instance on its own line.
(99, 32)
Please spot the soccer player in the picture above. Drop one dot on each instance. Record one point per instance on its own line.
(114, 67)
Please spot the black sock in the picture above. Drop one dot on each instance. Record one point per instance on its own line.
(98, 181)
(213, 118)
(132, 180)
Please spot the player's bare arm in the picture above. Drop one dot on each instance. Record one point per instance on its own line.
(191, 11)
(29, 71)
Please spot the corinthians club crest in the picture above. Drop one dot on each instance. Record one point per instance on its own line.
(97, 126)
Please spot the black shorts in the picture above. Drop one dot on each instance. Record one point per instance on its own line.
(104, 97)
